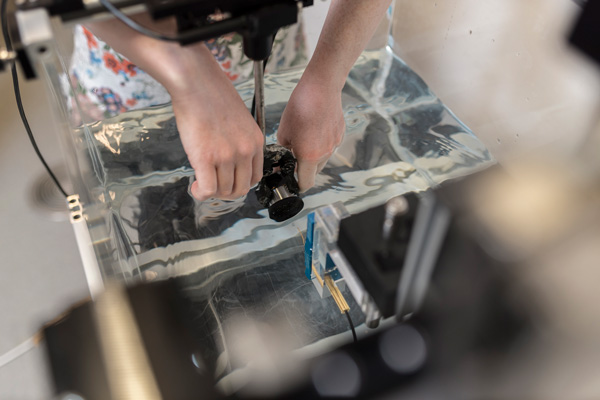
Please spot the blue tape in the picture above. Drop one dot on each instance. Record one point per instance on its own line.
(310, 226)
(308, 259)
(308, 244)
(331, 269)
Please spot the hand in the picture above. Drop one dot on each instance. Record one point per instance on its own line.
(222, 142)
(221, 139)
(312, 126)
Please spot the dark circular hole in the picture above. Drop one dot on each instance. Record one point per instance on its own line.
(77, 216)
(72, 201)
(42, 49)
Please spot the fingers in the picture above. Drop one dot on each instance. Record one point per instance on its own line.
(220, 138)
(257, 169)
(205, 186)
(307, 170)
(242, 181)
(226, 181)
(321, 165)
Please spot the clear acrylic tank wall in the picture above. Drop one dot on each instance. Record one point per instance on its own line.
(133, 177)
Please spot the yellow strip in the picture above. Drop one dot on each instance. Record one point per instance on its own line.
(336, 294)
(314, 270)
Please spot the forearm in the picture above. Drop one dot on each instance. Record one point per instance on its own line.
(349, 26)
(175, 67)
(220, 137)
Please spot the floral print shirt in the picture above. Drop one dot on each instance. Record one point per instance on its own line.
(104, 83)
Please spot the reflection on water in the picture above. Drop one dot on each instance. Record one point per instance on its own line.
(229, 255)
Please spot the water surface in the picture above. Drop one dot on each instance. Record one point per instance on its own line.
(231, 258)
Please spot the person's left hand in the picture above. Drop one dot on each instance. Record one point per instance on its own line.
(312, 126)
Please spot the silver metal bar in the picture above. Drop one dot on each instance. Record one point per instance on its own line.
(426, 239)
(259, 96)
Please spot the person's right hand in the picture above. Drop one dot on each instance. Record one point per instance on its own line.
(221, 139)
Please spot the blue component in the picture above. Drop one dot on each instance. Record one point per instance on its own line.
(308, 258)
(335, 275)
(310, 226)
(308, 245)
(329, 264)
(331, 269)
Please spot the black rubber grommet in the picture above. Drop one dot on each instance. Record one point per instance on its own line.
(285, 208)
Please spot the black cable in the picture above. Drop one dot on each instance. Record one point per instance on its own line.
(351, 326)
(159, 36)
(205, 32)
(136, 26)
(15, 79)
(4, 23)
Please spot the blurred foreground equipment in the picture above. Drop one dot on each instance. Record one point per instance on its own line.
(128, 344)
(509, 280)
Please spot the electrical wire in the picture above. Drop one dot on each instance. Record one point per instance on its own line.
(30, 343)
(351, 326)
(159, 36)
(15, 79)
(202, 33)
(4, 23)
(19, 350)
(118, 14)
(30, 133)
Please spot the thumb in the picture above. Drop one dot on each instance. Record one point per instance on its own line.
(283, 139)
